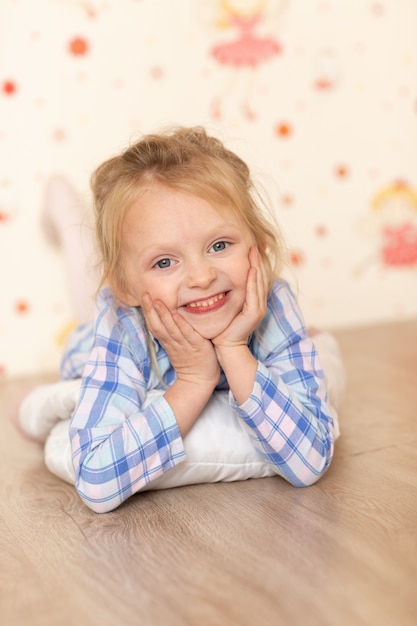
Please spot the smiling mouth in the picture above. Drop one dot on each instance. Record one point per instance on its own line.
(203, 306)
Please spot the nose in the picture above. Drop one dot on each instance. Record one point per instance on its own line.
(200, 273)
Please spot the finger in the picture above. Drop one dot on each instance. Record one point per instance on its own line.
(151, 316)
(261, 272)
(263, 281)
(194, 340)
(256, 282)
(156, 317)
(167, 322)
(170, 327)
(254, 257)
(188, 332)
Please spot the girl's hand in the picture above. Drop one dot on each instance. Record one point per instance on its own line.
(254, 308)
(192, 356)
(235, 358)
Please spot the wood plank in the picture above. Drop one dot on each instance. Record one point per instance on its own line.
(257, 552)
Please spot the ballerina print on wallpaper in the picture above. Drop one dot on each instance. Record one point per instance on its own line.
(245, 49)
(393, 227)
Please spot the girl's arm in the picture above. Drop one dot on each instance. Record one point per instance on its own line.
(118, 446)
(192, 357)
(279, 391)
(288, 416)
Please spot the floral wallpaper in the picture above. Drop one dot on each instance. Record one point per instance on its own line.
(319, 97)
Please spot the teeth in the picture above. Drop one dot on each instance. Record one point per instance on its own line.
(203, 303)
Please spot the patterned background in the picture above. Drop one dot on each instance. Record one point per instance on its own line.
(320, 97)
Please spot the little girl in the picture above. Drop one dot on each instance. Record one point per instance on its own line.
(191, 305)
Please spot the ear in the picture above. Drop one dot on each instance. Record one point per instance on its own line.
(128, 299)
(122, 293)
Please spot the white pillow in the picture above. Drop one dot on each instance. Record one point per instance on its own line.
(217, 448)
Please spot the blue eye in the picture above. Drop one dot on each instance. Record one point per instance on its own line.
(164, 263)
(219, 246)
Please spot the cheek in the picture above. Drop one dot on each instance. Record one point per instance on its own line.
(162, 290)
(240, 270)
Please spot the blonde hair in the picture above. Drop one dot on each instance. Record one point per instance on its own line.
(186, 160)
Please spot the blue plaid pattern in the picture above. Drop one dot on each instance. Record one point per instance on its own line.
(119, 446)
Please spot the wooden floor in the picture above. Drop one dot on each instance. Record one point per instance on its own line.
(255, 553)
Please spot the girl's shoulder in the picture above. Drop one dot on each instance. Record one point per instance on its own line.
(283, 323)
(116, 322)
(108, 305)
(281, 295)
(116, 334)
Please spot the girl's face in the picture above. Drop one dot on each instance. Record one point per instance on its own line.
(193, 257)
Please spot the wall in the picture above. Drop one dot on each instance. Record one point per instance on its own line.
(327, 119)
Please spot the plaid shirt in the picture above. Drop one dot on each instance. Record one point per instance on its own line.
(119, 446)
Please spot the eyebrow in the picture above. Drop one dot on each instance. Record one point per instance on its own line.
(230, 225)
(215, 233)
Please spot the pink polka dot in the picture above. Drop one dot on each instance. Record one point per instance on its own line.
(322, 84)
(341, 171)
(287, 200)
(297, 258)
(377, 9)
(321, 230)
(404, 91)
(59, 135)
(9, 87)
(157, 72)
(22, 307)
(326, 262)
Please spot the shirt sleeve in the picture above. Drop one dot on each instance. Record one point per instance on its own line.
(118, 446)
(287, 415)
(77, 349)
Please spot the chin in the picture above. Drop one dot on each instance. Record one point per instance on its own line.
(209, 333)
(209, 336)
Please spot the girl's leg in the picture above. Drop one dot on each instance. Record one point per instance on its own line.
(66, 223)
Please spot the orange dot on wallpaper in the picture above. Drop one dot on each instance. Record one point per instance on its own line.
(59, 135)
(326, 262)
(342, 171)
(2, 371)
(22, 306)
(296, 258)
(321, 230)
(91, 11)
(78, 46)
(9, 87)
(287, 199)
(377, 8)
(323, 84)
(118, 83)
(283, 129)
(157, 72)
(3, 217)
